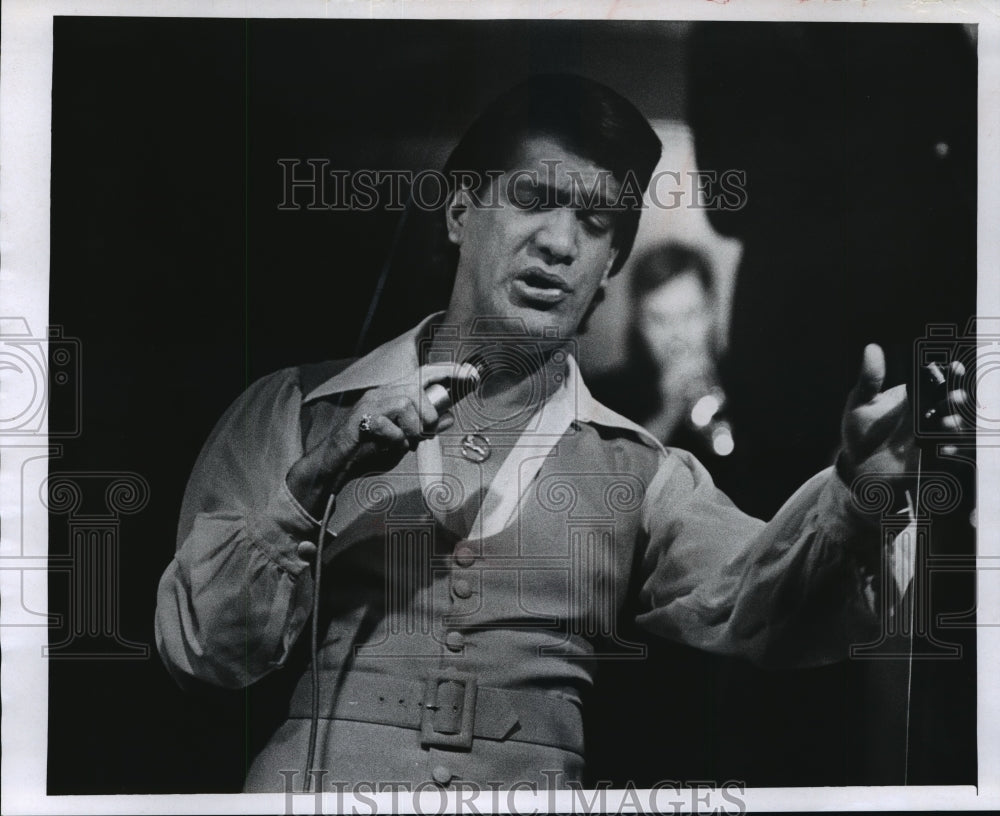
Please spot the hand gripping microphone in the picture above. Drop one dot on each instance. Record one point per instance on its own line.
(442, 397)
(439, 396)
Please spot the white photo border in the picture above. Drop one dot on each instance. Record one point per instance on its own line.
(25, 154)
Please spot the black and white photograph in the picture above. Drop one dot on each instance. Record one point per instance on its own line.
(499, 409)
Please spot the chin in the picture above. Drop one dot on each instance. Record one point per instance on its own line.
(547, 324)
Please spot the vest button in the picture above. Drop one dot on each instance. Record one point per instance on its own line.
(462, 588)
(441, 775)
(454, 641)
(464, 557)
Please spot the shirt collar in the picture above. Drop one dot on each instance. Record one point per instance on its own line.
(395, 359)
(591, 411)
(389, 362)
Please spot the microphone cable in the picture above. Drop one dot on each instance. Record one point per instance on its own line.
(331, 504)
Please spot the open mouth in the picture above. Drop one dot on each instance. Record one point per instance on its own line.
(541, 287)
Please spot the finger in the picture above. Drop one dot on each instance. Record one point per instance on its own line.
(894, 421)
(415, 413)
(957, 369)
(893, 397)
(438, 396)
(385, 432)
(428, 406)
(952, 422)
(465, 377)
(903, 432)
(407, 419)
(949, 411)
(439, 372)
(871, 377)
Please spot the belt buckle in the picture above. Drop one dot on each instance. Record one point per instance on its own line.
(429, 736)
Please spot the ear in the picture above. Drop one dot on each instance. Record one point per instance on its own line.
(455, 213)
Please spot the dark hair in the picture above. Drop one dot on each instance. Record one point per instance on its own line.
(666, 262)
(584, 116)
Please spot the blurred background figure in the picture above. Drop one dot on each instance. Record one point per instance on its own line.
(670, 383)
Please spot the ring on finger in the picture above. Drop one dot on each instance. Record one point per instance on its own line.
(365, 425)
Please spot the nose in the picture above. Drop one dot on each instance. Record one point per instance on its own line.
(556, 236)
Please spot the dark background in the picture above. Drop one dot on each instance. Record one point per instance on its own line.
(184, 283)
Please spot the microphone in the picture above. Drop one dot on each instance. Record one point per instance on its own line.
(443, 397)
(439, 396)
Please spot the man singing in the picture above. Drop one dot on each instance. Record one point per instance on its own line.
(487, 522)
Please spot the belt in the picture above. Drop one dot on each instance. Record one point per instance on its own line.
(448, 708)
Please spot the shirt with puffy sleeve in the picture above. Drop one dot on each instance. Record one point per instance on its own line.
(589, 519)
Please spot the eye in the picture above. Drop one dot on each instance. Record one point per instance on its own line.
(596, 222)
(528, 197)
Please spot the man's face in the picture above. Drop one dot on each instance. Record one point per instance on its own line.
(676, 320)
(535, 244)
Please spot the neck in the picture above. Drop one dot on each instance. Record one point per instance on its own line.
(519, 372)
